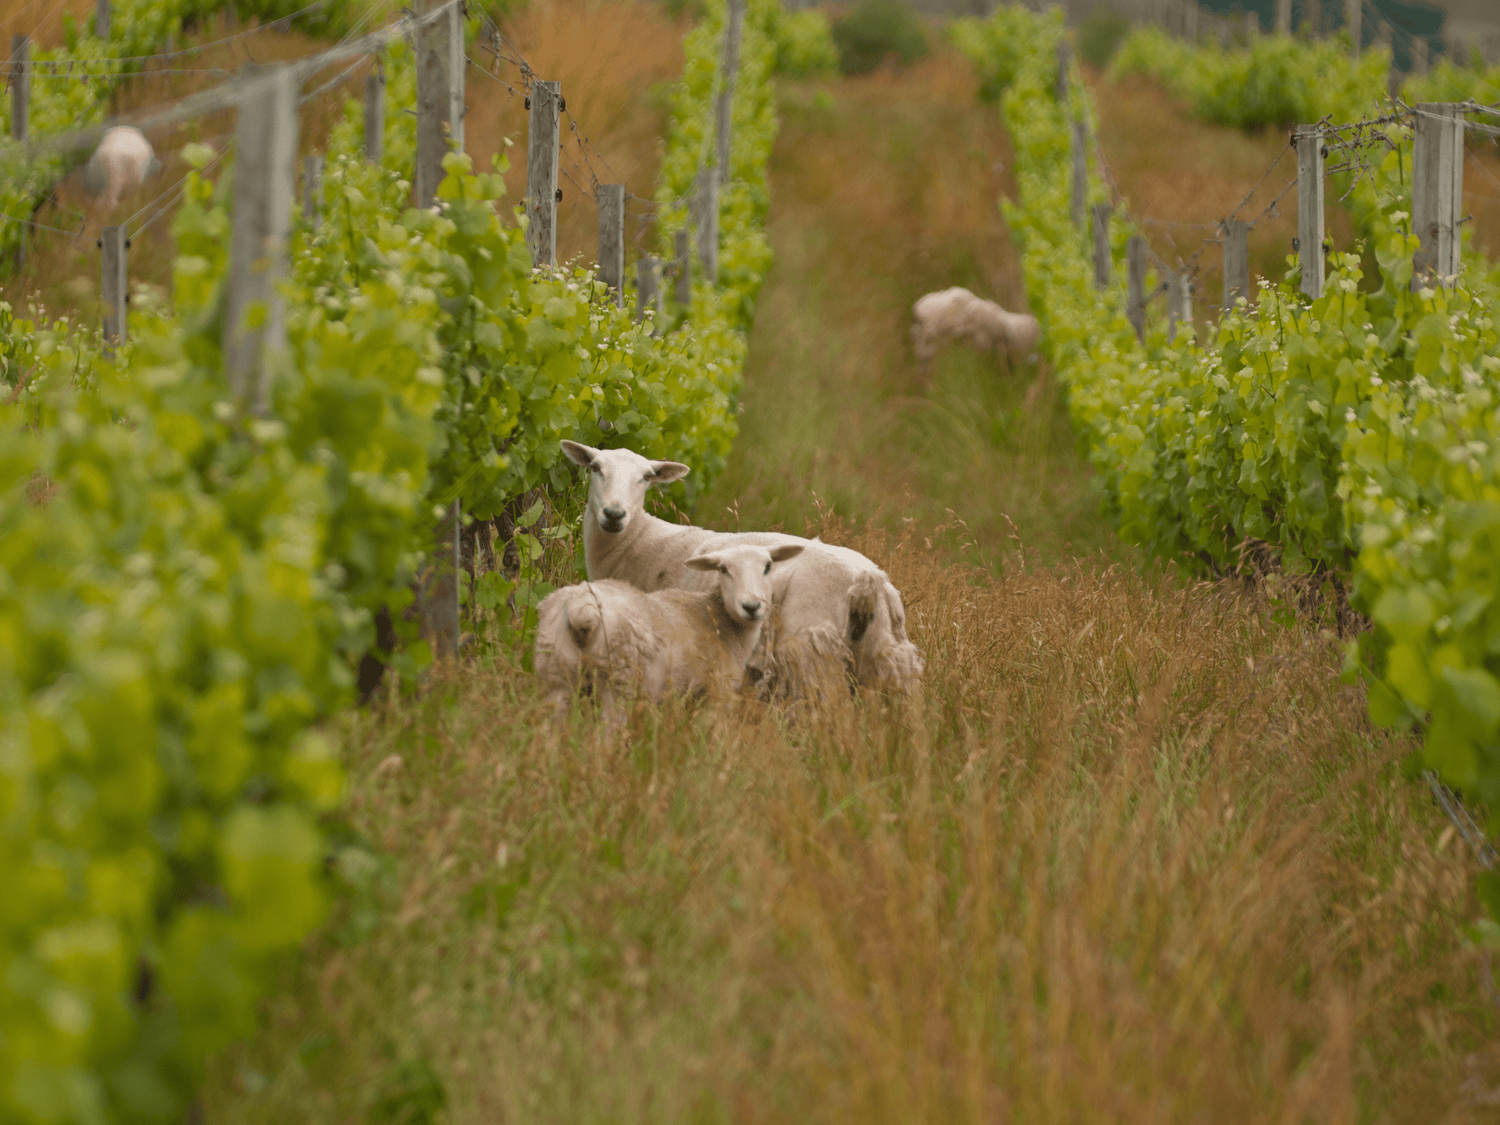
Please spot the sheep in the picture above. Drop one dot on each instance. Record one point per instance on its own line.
(620, 641)
(122, 162)
(956, 313)
(810, 635)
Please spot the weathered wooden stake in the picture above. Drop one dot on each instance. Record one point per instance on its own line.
(1102, 264)
(1353, 14)
(312, 189)
(1309, 141)
(706, 220)
(440, 98)
(440, 599)
(647, 290)
(1080, 173)
(724, 107)
(1437, 192)
(1236, 233)
(1252, 25)
(541, 172)
(683, 265)
(1190, 20)
(612, 240)
(20, 85)
(1383, 35)
(101, 20)
(265, 181)
(1419, 51)
(1064, 58)
(1135, 261)
(374, 115)
(20, 114)
(1179, 304)
(1283, 17)
(113, 246)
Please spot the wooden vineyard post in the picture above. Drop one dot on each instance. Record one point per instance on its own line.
(20, 111)
(1419, 56)
(1236, 261)
(647, 289)
(312, 189)
(264, 188)
(1135, 263)
(706, 220)
(1309, 141)
(101, 20)
(1353, 13)
(1283, 17)
(1190, 21)
(1437, 192)
(113, 246)
(1080, 173)
(374, 115)
(1252, 25)
(1179, 304)
(440, 98)
(724, 107)
(683, 264)
(612, 240)
(541, 172)
(1102, 212)
(1064, 57)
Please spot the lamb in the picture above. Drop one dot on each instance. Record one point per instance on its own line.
(121, 164)
(816, 631)
(958, 314)
(620, 641)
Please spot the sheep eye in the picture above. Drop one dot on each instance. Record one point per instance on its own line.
(596, 469)
(723, 570)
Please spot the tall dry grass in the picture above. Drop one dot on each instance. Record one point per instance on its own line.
(1132, 854)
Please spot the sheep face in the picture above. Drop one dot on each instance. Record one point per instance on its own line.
(618, 479)
(745, 577)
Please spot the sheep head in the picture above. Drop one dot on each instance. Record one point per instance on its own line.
(745, 577)
(618, 479)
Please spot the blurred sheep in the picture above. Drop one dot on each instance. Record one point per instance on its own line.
(123, 161)
(958, 314)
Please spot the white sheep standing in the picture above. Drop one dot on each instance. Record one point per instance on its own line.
(122, 163)
(834, 608)
(958, 314)
(621, 641)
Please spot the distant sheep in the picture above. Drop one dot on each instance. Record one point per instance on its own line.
(123, 161)
(958, 314)
(621, 641)
(813, 638)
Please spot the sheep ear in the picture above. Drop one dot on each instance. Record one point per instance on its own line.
(785, 551)
(579, 454)
(703, 562)
(665, 472)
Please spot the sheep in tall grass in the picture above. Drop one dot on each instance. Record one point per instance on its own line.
(817, 632)
(958, 314)
(123, 161)
(621, 641)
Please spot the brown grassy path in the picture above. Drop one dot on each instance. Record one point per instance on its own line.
(884, 188)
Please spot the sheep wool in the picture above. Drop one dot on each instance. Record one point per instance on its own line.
(123, 161)
(619, 642)
(957, 314)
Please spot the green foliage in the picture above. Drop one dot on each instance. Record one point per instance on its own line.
(185, 589)
(804, 42)
(1275, 81)
(1448, 83)
(1099, 36)
(994, 47)
(1357, 434)
(877, 30)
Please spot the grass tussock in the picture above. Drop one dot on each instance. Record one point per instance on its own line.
(1132, 854)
